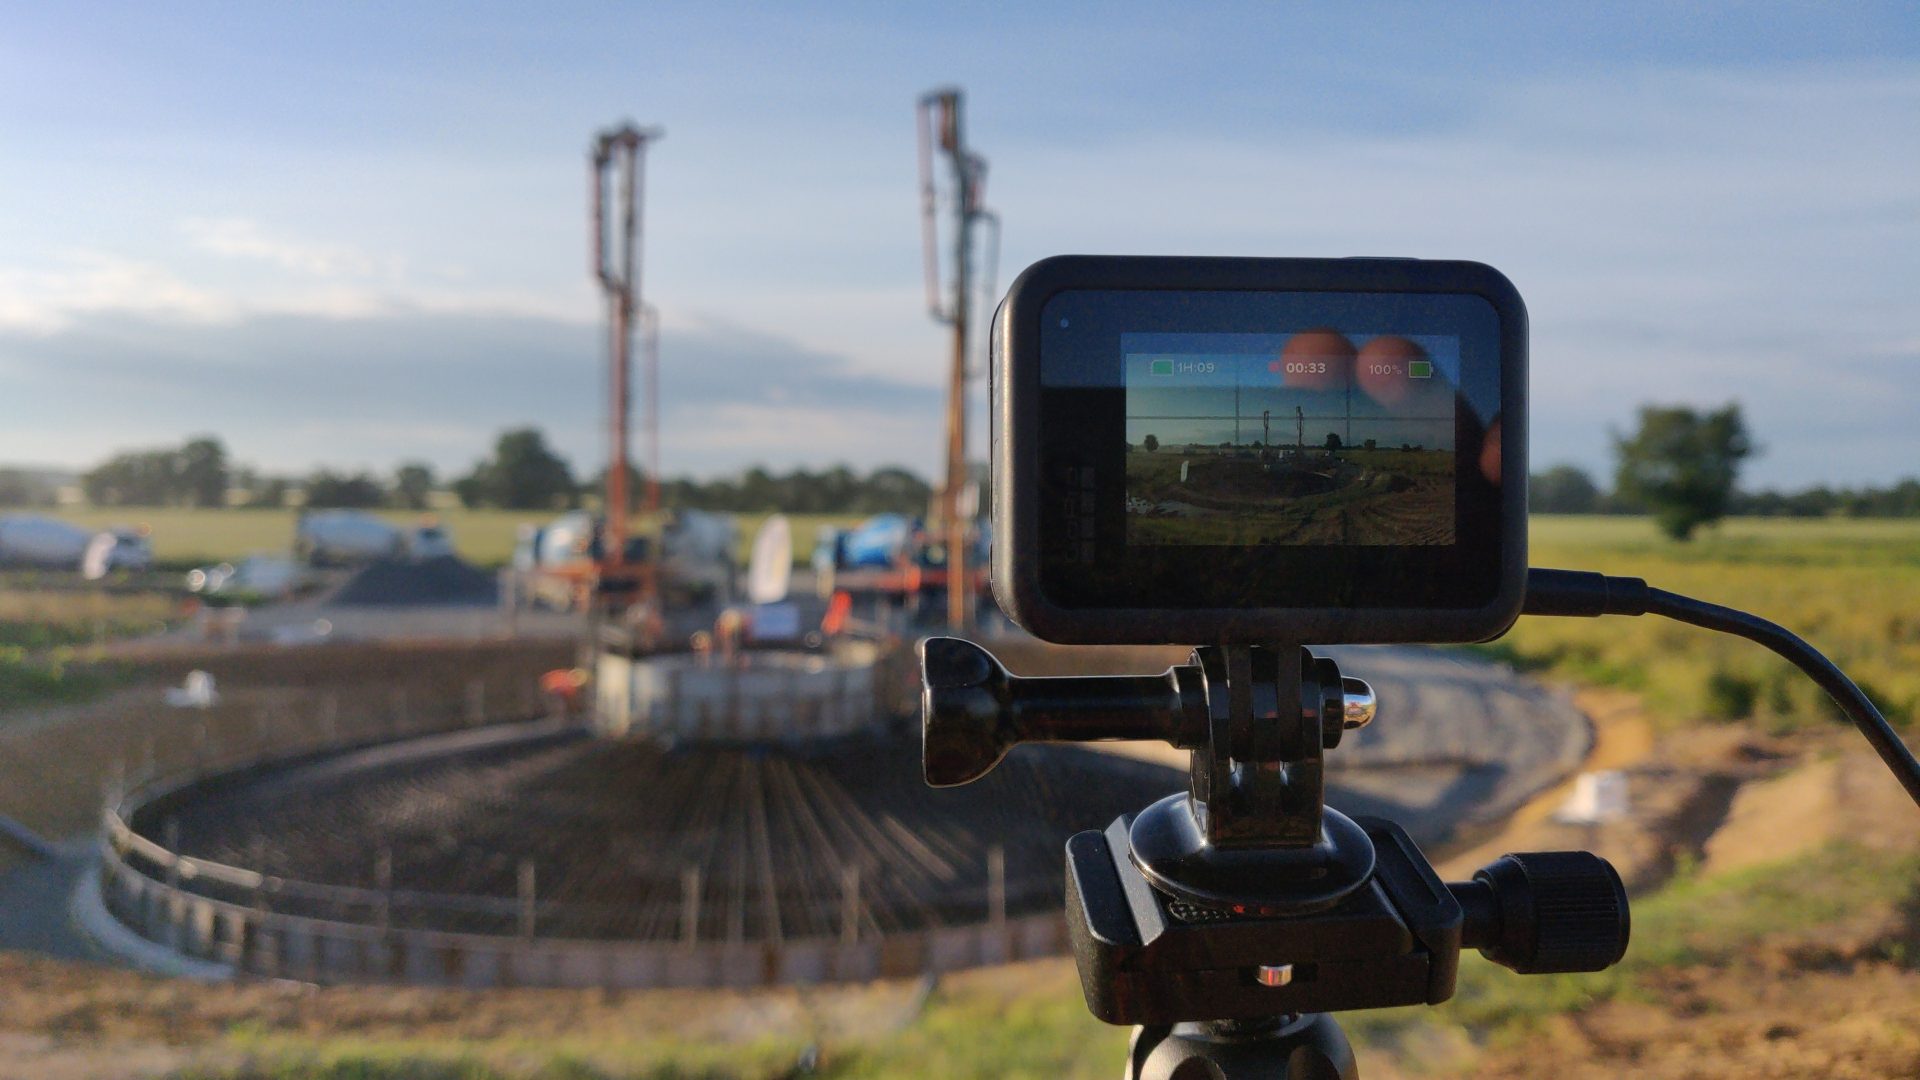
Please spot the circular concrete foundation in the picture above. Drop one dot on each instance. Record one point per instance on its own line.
(550, 857)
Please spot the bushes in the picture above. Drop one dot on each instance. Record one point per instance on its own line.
(1731, 696)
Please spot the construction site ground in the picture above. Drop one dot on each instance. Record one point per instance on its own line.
(1762, 950)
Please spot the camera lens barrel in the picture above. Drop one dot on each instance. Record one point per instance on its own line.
(1546, 911)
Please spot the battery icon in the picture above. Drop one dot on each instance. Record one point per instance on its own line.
(1161, 367)
(1419, 369)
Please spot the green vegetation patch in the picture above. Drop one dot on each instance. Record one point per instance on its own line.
(1851, 587)
(42, 627)
(185, 537)
(28, 679)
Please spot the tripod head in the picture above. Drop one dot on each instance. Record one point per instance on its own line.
(1248, 899)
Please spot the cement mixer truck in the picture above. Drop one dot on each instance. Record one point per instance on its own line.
(33, 540)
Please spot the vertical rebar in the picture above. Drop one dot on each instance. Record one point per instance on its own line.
(997, 888)
(690, 906)
(528, 902)
(476, 702)
(850, 904)
(383, 884)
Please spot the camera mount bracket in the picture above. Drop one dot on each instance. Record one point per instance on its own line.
(1228, 920)
(1254, 832)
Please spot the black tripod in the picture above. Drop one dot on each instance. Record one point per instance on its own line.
(1227, 923)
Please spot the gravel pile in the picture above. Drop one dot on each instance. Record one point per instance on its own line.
(443, 579)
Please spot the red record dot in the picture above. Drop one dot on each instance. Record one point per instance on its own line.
(1490, 453)
(1316, 360)
(1381, 368)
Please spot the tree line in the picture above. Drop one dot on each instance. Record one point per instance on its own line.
(1569, 489)
(521, 473)
(1681, 467)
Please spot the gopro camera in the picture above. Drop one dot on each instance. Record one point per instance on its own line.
(1221, 450)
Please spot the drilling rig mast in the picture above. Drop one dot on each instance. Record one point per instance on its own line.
(941, 126)
(615, 178)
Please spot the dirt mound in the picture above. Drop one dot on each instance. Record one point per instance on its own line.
(443, 579)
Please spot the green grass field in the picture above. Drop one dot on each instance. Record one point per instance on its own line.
(187, 537)
(1851, 587)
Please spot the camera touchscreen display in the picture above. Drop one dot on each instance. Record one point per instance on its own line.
(1250, 449)
(1310, 438)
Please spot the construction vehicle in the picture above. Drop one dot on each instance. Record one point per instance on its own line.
(894, 559)
(342, 537)
(33, 540)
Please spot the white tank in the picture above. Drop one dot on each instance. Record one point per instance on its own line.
(338, 536)
(30, 540)
(702, 548)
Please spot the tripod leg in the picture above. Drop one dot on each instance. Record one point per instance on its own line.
(1310, 1047)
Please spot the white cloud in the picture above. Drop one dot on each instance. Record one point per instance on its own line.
(240, 238)
(80, 284)
(730, 436)
(87, 283)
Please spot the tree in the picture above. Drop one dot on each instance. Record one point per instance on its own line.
(1152, 443)
(202, 472)
(1563, 489)
(595, 487)
(269, 494)
(330, 490)
(1333, 441)
(1681, 465)
(892, 488)
(134, 478)
(412, 484)
(523, 474)
(20, 488)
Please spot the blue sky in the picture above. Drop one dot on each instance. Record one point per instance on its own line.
(351, 235)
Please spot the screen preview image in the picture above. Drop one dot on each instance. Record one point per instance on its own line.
(1314, 438)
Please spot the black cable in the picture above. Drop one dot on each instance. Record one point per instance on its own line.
(1585, 594)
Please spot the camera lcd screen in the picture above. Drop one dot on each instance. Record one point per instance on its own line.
(1308, 438)
(1243, 449)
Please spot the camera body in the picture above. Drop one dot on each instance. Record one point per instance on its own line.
(1259, 450)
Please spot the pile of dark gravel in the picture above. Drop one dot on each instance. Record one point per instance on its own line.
(443, 579)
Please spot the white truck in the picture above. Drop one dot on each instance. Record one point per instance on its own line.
(334, 537)
(700, 553)
(33, 540)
